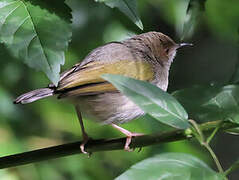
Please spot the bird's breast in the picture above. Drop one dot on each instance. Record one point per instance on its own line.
(109, 108)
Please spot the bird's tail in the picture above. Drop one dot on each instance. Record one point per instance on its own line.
(34, 95)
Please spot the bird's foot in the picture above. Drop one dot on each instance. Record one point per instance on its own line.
(130, 135)
(84, 142)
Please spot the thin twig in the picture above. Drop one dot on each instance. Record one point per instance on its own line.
(213, 134)
(205, 143)
(234, 167)
(218, 164)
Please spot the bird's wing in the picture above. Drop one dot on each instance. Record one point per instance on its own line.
(87, 79)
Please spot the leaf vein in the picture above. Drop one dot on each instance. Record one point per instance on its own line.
(155, 102)
(30, 43)
(37, 34)
(20, 24)
(131, 10)
(4, 21)
(8, 4)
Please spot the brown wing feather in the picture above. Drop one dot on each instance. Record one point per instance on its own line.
(89, 90)
(87, 79)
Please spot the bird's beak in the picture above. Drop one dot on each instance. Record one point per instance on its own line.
(184, 44)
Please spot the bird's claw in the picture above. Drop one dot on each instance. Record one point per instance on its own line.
(128, 141)
(86, 138)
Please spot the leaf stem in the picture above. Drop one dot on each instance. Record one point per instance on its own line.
(198, 133)
(205, 143)
(213, 134)
(232, 168)
(219, 167)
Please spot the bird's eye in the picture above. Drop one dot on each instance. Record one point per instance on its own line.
(167, 51)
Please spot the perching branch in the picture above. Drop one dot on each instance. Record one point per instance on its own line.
(105, 145)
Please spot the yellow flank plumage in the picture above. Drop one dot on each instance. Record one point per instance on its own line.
(90, 74)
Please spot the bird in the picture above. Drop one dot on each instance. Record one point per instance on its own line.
(147, 57)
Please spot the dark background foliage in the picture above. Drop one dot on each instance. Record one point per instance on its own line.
(212, 61)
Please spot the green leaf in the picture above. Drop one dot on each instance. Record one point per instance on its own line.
(171, 166)
(233, 131)
(151, 100)
(128, 7)
(211, 103)
(36, 35)
(193, 14)
(233, 167)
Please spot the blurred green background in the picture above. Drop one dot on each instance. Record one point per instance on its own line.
(212, 60)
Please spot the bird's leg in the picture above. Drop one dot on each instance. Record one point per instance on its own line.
(128, 134)
(84, 134)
